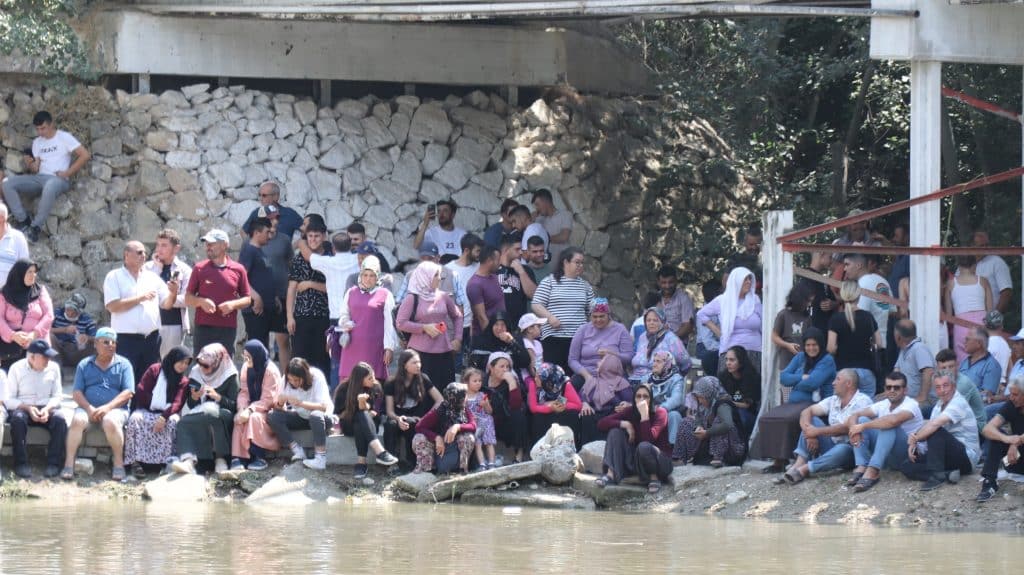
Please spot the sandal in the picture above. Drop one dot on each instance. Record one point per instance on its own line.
(854, 479)
(865, 483)
(602, 481)
(793, 476)
(653, 487)
(67, 474)
(717, 463)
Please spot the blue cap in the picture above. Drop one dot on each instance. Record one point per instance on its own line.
(106, 332)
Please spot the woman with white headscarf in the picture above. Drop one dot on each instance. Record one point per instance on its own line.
(739, 312)
(366, 314)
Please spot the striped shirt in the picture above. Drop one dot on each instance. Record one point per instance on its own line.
(85, 324)
(568, 300)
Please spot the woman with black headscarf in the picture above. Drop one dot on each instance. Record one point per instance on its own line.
(498, 337)
(446, 435)
(810, 372)
(159, 395)
(257, 395)
(637, 443)
(26, 312)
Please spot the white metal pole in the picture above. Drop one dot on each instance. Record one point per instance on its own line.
(1022, 201)
(925, 177)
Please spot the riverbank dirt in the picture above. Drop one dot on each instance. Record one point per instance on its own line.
(736, 493)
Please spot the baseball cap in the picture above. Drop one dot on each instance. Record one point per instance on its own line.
(106, 332)
(529, 319)
(76, 302)
(429, 248)
(1019, 336)
(367, 247)
(994, 320)
(215, 235)
(269, 212)
(41, 347)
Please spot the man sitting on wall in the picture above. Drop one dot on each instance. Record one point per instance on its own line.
(34, 396)
(50, 168)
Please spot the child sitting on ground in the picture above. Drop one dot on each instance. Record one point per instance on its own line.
(479, 405)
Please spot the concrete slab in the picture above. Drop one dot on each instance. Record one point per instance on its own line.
(527, 498)
(456, 486)
(297, 484)
(175, 488)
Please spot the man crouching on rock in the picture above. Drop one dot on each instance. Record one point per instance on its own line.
(826, 446)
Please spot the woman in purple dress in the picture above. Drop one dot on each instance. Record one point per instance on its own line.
(366, 318)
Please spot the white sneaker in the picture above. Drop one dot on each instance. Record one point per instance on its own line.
(298, 453)
(219, 465)
(319, 462)
(183, 466)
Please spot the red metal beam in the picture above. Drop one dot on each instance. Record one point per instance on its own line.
(980, 104)
(897, 250)
(902, 205)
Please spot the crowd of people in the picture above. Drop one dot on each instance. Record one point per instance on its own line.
(489, 339)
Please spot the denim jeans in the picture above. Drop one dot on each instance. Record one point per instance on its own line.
(881, 448)
(866, 381)
(831, 455)
(674, 420)
(48, 187)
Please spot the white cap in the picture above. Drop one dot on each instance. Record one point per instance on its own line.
(529, 319)
(1019, 336)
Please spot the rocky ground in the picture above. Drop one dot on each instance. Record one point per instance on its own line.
(735, 493)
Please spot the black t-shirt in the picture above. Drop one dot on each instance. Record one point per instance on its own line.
(260, 277)
(411, 408)
(853, 348)
(1012, 415)
(822, 292)
(516, 301)
(169, 316)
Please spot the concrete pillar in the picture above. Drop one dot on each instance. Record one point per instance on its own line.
(140, 83)
(925, 177)
(778, 280)
(326, 100)
(1022, 206)
(410, 89)
(222, 81)
(513, 96)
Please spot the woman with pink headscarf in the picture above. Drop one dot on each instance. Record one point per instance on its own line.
(425, 314)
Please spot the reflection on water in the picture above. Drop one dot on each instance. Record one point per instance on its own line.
(116, 537)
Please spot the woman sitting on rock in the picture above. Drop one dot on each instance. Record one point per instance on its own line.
(204, 431)
(743, 383)
(669, 389)
(600, 395)
(595, 339)
(261, 383)
(810, 372)
(303, 404)
(26, 312)
(553, 401)
(446, 436)
(159, 396)
(498, 337)
(637, 443)
(507, 397)
(360, 416)
(712, 433)
(657, 337)
(407, 397)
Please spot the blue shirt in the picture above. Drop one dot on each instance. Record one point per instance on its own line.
(84, 323)
(985, 373)
(101, 386)
(287, 222)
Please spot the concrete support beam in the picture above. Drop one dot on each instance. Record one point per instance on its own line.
(140, 83)
(925, 177)
(436, 53)
(222, 81)
(409, 89)
(513, 95)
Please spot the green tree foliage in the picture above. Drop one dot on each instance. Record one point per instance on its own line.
(39, 30)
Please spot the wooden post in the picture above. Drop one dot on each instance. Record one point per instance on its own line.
(925, 177)
(778, 280)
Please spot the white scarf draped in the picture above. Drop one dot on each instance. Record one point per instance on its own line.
(730, 304)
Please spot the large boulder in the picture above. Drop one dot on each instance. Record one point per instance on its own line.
(556, 452)
(592, 457)
(297, 484)
(176, 488)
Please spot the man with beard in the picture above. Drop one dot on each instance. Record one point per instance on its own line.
(516, 280)
(676, 304)
(445, 235)
(218, 288)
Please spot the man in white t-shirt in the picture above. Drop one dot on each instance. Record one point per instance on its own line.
(994, 269)
(522, 221)
(557, 223)
(946, 447)
(445, 235)
(855, 267)
(50, 169)
(997, 345)
(879, 433)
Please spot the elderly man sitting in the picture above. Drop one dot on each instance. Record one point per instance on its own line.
(104, 384)
(879, 433)
(945, 447)
(824, 446)
(34, 395)
(1003, 448)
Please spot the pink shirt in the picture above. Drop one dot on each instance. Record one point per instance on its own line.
(441, 310)
(38, 318)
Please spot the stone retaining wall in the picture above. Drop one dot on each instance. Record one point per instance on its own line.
(192, 159)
